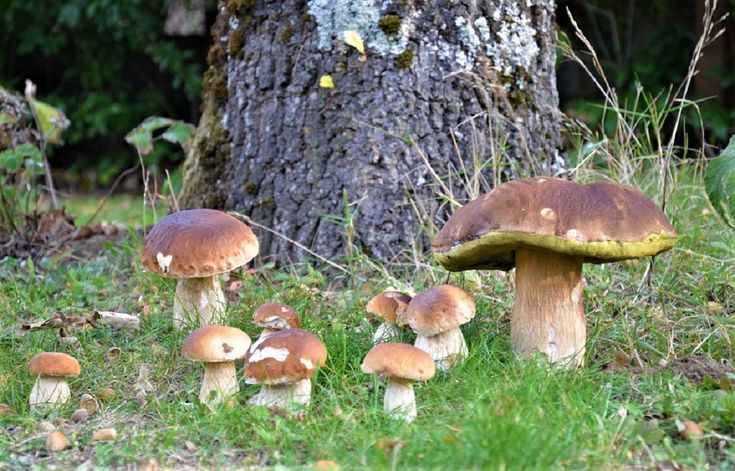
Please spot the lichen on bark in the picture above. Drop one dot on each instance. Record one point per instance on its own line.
(291, 155)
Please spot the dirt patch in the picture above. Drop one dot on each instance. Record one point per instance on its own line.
(54, 234)
(696, 367)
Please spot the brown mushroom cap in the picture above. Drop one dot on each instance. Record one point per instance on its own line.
(267, 314)
(284, 357)
(601, 222)
(439, 309)
(54, 364)
(399, 360)
(216, 344)
(200, 242)
(387, 304)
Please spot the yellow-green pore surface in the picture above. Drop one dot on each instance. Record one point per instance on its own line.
(601, 222)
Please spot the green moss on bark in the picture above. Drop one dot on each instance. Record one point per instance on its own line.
(404, 59)
(390, 24)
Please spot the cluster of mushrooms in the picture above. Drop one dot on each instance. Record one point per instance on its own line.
(545, 228)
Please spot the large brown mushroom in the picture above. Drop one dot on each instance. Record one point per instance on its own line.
(547, 228)
(196, 246)
(283, 363)
(51, 388)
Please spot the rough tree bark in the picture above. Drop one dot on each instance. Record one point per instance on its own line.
(462, 86)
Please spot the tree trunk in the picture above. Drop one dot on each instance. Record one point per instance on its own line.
(463, 91)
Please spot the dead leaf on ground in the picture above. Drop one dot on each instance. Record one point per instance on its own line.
(104, 435)
(116, 320)
(56, 441)
(113, 354)
(389, 445)
(106, 394)
(6, 409)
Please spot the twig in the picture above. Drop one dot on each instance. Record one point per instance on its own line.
(110, 191)
(288, 239)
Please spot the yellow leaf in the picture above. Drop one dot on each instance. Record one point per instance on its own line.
(51, 121)
(325, 81)
(352, 38)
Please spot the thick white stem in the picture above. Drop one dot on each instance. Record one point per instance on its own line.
(400, 401)
(283, 396)
(386, 332)
(446, 349)
(548, 314)
(199, 302)
(49, 391)
(219, 383)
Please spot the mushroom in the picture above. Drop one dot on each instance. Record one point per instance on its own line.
(435, 315)
(546, 228)
(273, 317)
(195, 246)
(218, 347)
(283, 363)
(51, 388)
(402, 364)
(387, 305)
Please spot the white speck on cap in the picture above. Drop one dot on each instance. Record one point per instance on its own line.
(164, 261)
(278, 354)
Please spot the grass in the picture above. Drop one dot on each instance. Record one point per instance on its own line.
(492, 412)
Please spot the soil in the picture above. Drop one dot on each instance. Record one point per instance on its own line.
(54, 234)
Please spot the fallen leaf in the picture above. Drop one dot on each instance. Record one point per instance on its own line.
(116, 320)
(234, 285)
(325, 464)
(6, 409)
(56, 441)
(106, 394)
(104, 435)
(146, 309)
(325, 81)
(80, 415)
(89, 403)
(190, 446)
(113, 354)
(150, 465)
(352, 38)
(689, 429)
(714, 308)
(143, 383)
(45, 426)
(389, 445)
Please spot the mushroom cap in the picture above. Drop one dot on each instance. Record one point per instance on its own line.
(284, 357)
(387, 304)
(399, 360)
(54, 364)
(276, 316)
(216, 344)
(439, 309)
(200, 243)
(601, 222)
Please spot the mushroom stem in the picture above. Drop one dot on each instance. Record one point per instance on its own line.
(219, 383)
(386, 332)
(198, 302)
(283, 396)
(548, 314)
(49, 390)
(446, 349)
(399, 400)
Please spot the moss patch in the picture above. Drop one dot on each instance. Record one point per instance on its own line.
(235, 43)
(390, 24)
(240, 7)
(251, 188)
(287, 33)
(404, 59)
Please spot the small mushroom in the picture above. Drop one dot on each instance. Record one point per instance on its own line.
(547, 228)
(283, 363)
(388, 305)
(196, 246)
(435, 315)
(51, 388)
(273, 317)
(402, 364)
(218, 347)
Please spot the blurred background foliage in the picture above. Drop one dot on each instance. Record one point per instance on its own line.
(109, 64)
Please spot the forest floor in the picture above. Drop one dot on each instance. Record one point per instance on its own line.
(656, 391)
